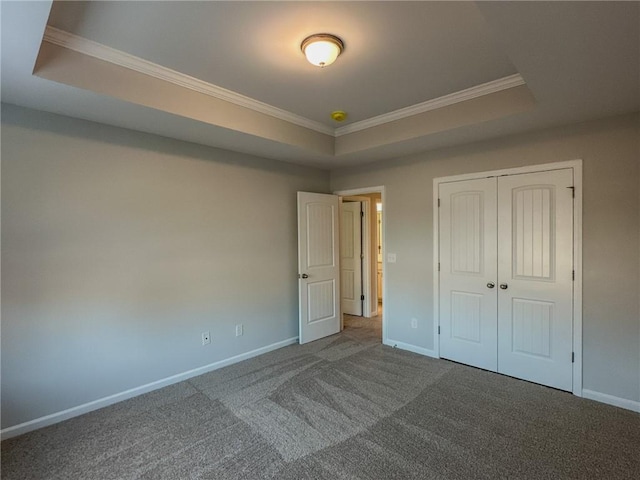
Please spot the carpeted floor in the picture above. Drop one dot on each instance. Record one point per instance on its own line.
(344, 407)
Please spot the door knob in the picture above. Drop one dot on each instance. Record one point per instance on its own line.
(491, 285)
(504, 286)
(304, 275)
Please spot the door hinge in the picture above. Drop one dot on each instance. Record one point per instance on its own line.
(438, 266)
(438, 202)
(573, 357)
(361, 297)
(362, 256)
(573, 192)
(573, 275)
(438, 329)
(361, 214)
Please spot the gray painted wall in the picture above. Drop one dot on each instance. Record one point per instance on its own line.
(611, 152)
(120, 248)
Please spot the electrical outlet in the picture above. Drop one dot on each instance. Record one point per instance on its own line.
(391, 258)
(206, 338)
(239, 330)
(414, 323)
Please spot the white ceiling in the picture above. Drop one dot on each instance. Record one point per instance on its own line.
(579, 60)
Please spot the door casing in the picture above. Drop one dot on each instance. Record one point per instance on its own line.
(576, 165)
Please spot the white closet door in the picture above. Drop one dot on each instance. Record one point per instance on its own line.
(468, 277)
(535, 308)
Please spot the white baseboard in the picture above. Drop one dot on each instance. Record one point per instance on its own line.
(632, 405)
(410, 348)
(134, 392)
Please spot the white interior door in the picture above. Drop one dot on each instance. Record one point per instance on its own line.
(318, 266)
(468, 272)
(351, 258)
(535, 307)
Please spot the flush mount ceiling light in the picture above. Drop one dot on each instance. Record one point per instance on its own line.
(322, 49)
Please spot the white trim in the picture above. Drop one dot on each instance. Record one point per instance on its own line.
(576, 166)
(577, 284)
(410, 348)
(494, 86)
(362, 191)
(93, 49)
(436, 271)
(632, 405)
(134, 392)
(543, 167)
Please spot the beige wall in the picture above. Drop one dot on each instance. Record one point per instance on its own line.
(120, 248)
(611, 317)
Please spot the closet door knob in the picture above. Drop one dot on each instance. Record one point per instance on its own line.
(491, 285)
(304, 275)
(504, 286)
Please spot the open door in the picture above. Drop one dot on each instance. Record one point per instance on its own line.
(318, 266)
(351, 258)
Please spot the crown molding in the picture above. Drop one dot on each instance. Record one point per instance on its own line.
(451, 99)
(102, 52)
(116, 57)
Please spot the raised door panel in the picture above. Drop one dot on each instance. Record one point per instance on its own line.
(321, 300)
(466, 320)
(533, 232)
(347, 282)
(531, 326)
(467, 225)
(320, 234)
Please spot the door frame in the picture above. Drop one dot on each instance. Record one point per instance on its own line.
(576, 166)
(354, 192)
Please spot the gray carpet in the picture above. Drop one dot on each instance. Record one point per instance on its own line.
(344, 407)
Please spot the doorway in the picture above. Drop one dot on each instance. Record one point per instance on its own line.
(372, 238)
(319, 289)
